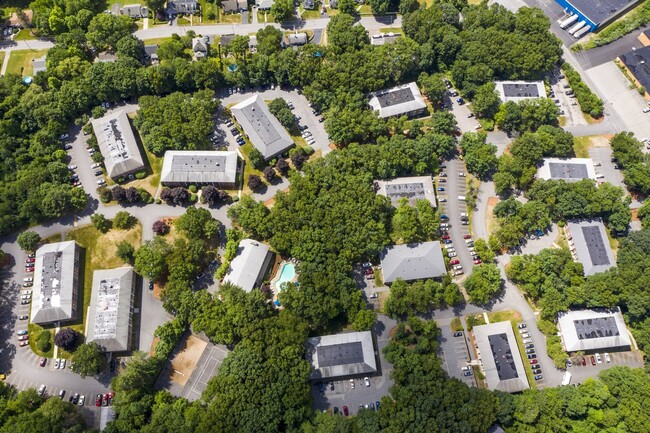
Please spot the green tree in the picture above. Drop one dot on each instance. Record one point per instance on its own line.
(123, 220)
(150, 258)
(28, 240)
(125, 251)
(364, 320)
(509, 117)
(257, 159)
(198, 223)
(486, 101)
(252, 216)
(101, 223)
(406, 227)
(344, 36)
(282, 10)
(484, 251)
(348, 7)
(483, 283)
(88, 360)
(269, 40)
(155, 5)
(105, 30)
(434, 88)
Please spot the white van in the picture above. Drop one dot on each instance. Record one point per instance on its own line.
(461, 197)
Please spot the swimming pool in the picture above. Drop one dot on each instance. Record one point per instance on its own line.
(287, 274)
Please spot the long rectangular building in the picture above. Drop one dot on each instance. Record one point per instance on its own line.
(249, 265)
(200, 167)
(413, 262)
(589, 244)
(404, 100)
(340, 356)
(109, 313)
(117, 145)
(262, 128)
(519, 90)
(56, 283)
(596, 13)
(567, 169)
(412, 188)
(591, 330)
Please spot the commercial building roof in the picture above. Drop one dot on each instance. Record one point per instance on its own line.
(200, 167)
(398, 101)
(598, 11)
(247, 268)
(588, 241)
(413, 188)
(567, 169)
(109, 312)
(520, 90)
(341, 355)
(117, 144)
(499, 354)
(412, 262)
(590, 330)
(638, 63)
(384, 38)
(261, 127)
(55, 283)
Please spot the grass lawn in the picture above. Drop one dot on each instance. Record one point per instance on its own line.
(98, 253)
(502, 316)
(2, 57)
(20, 61)
(562, 120)
(310, 14)
(230, 18)
(24, 35)
(474, 320)
(34, 331)
(365, 9)
(379, 278)
(456, 324)
(155, 41)
(561, 240)
(581, 146)
(390, 30)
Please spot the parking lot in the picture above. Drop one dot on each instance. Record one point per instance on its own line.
(344, 394)
(455, 355)
(568, 104)
(580, 373)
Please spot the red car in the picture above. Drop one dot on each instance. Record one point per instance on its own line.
(593, 360)
(105, 400)
(467, 236)
(110, 397)
(454, 262)
(533, 361)
(29, 260)
(29, 269)
(98, 400)
(584, 361)
(446, 237)
(477, 262)
(345, 411)
(43, 361)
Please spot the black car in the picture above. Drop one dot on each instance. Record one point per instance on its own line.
(67, 147)
(99, 173)
(336, 410)
(458, 334)
(150, 284)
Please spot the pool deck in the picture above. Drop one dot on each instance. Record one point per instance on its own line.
(278, 273)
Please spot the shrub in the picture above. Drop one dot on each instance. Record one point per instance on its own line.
(123, 220)
(176, 195)
(160, 228)
(105, 194)
(43, 342)
(282, 166)
(269, 174)
(257, 159)
(141, 174)
(192, 189)
(66, 339)
(125, 251)
(308, 150)
(589, 102)
(100, 222)
(255, 182)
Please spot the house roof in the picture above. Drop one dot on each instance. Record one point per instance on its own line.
(413, 188)
(109, 312)
(261, 127)
(200, 166)
(567, 169)
(182, 6)
(638, 62)
(134, 10)
(590, 330)
(199, 45)
(265, 4)
(413, 262)
(588, 240)
(520, 90)
(248, 264)
(234, 5)
(499, 355)
(39, 65)
(55, 283)
(117, 144)
(384, 38)
(397, 101)
(341, 355)
(297, 38)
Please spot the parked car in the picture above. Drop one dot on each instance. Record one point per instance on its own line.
(461, 174)
(98, 400)
(62, 394)
(458, 334)
(532, 356)
(41, 390)
(352, 383)
(452, 254)
(533, 361)
(42, 362)
(62, 364)
(477, 262)
(345, 411)
(445, 237)
(367, 380)
(530, 350)
(101, 182)
(521, 326)
(528, 340)
(95, 165)
(599, 360)
(459, 272)
(593, 360)
(539, 377)
(82, 399)
(584, 361)
(447, 241)
(607, 358)
(29, 269)
(23, 343)
(440, 188)
(23, 317)
(467, 373)
(98, 173)
(454, 262)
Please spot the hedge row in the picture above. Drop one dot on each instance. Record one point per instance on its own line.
(589, 102)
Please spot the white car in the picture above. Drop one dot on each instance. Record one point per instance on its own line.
(528, 340)
(607, 358)
(57, 362)
(442, 199)
(62, 364)
(41, 390)
(525, 335)
(461, 174)
(646, 110)
(101, 182)
(367, 381)
(28, 279)
(461, 197)
(458, 267)
(72, 167)
(25, 292)
(351, 383)
(599, 359)
(95, 165)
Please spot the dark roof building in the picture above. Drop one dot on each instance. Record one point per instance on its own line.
(262, 127)
(135, 11)
(200, 47)
(109, 313)
(591, 330)
(413, 188)
(589, 245)
(182, 7)
(597, 12)
(200, 167)
(56, 283)
(234, 6)
(567, 169)
(405, 100)
(248, 267)
(499, 356)
(519, 90)
(413, 262)
(341, 355)
(638, 63)
(117, 145)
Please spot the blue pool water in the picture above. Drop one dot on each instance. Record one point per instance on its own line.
(287, 274)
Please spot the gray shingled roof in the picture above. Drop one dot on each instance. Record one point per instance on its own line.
(413, 262)
(55, 283)
(397, 101)
(590, 244)
(199, 166)
(248, 265)
(109, 312)
(499, 354)
(117, 144)
(341, 355)
(590, 330)
(262, 128)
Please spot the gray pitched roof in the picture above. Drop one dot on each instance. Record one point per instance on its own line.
(117, 144)
(589, 330)
(39, 65)
(265, 4)
(413, 188)
(200, 166)
(297, 38)
(55, 283)
(135, 11)
(109, 312)
(248, 265)
(589, 244)
(261, 127)
(384, 38)
(234, 5)
(341, 355)
(398, 101)
(499, 355)
(413, 262)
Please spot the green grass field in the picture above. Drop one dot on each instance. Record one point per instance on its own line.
(21, 61)
(24, 35)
